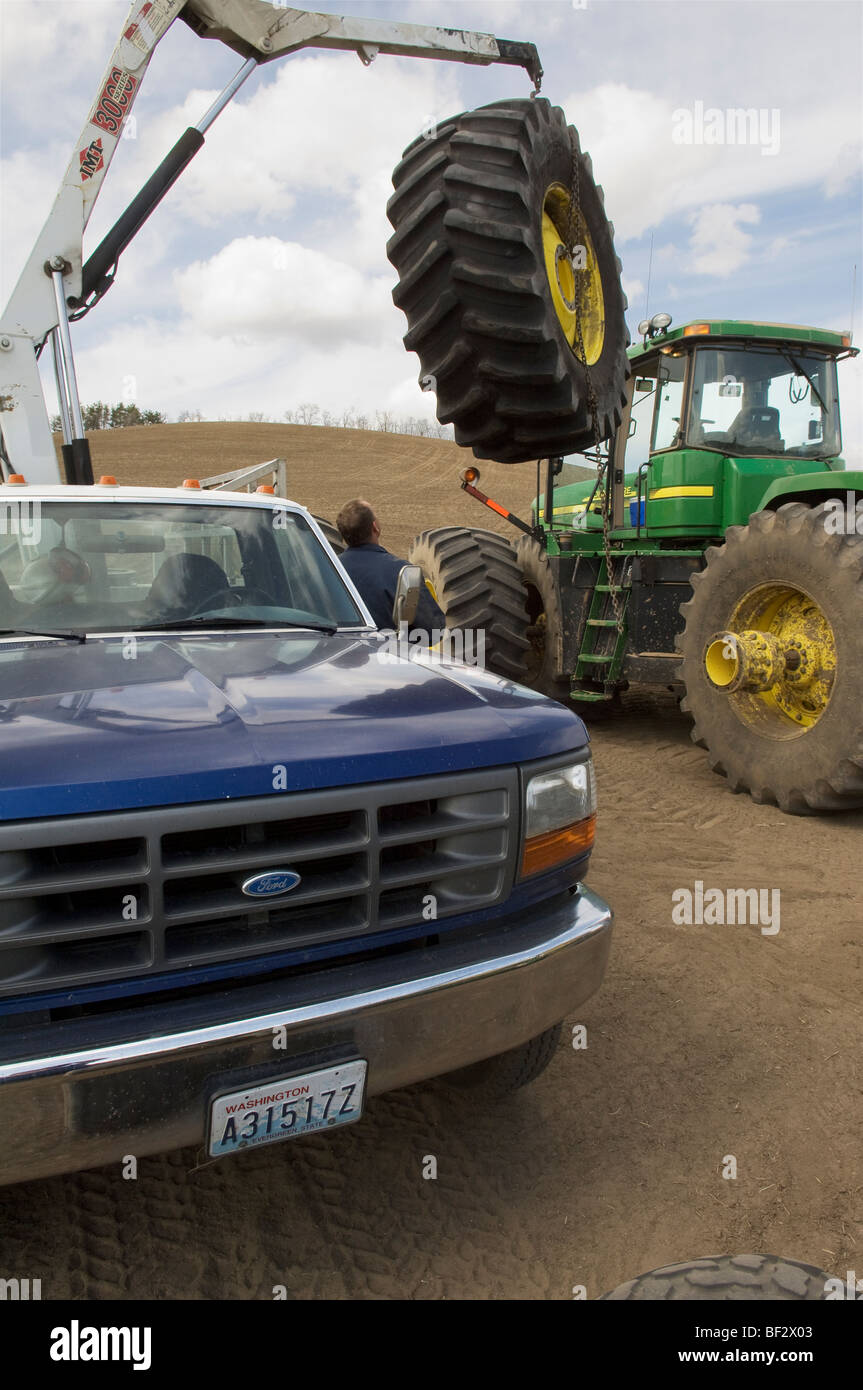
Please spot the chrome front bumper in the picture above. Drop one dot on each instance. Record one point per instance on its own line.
(140, 1081)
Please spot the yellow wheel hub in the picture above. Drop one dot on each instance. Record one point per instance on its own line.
(573, 278)
(776, 661)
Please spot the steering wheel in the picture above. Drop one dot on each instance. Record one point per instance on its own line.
(214, 600)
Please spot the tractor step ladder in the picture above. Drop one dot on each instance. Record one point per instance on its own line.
(601, 654)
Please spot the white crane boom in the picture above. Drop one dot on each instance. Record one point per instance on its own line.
(57, 280)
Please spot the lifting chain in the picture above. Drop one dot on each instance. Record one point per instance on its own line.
(573, 241)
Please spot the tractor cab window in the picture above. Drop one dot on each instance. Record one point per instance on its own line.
(668, 413)
(641, 414)
(764, 401)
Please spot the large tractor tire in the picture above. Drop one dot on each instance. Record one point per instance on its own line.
(481, 212)
(332, 533)
(544, 669)
(721, 1278)
(780, 605)
(477, 582)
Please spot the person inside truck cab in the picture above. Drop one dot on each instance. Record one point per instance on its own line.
(375, 571)
(55, 578)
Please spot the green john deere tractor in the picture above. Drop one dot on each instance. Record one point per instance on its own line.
(718, 550)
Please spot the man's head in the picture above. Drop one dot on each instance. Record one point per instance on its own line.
(55, 577)
(358, 524)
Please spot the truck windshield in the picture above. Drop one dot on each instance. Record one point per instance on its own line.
(118, 566)
(777, 401)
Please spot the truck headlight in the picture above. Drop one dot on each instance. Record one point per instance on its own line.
(560, 816)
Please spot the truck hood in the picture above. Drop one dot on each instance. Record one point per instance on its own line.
(112, 724)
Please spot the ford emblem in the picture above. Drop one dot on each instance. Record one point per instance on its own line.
(270, 884)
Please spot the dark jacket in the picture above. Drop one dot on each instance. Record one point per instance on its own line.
(376, 572)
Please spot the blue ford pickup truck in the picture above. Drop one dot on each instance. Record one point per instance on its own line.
(254, 866)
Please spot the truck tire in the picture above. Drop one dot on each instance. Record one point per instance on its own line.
(798, 746)
(477, 582)
(332, 533)
(726, 1278)
(497, 1077)
(480, 211)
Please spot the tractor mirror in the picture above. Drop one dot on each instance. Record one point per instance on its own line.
(731, 388)
(408, 592)
(644, 383)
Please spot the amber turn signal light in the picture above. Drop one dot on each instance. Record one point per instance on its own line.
(554, 847)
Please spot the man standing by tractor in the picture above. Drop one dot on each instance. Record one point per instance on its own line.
(376, 572)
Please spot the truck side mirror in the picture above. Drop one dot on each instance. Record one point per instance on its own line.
(408, 592)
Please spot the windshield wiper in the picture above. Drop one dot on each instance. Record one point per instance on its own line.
(800, 372)
(179, 624)
(42, 632)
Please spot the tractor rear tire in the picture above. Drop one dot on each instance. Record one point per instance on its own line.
(477, 583)
(544, 670)
(723, 1278)
(332, 533)
(481, 214)
(802, 768)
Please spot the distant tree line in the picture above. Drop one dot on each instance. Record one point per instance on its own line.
(386, 421)
(99, 416)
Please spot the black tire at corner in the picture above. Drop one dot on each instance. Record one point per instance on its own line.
(726, 1277)
(499, 1076)
(822, 769)
(477, 582)
(467, 247)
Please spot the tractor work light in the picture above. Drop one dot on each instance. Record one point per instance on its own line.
(560, 816)
(651, 328)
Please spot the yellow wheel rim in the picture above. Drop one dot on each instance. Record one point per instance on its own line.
(780, 637)
(568, 279)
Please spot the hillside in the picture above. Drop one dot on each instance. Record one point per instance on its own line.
(412, 483)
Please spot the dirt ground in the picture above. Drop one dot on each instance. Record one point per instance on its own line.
(705, 1043)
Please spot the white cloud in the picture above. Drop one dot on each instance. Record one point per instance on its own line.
(719, 245)
(648, 178)
(261, 288)
(634, 291)
(318, 124)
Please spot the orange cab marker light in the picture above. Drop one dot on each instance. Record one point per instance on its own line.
(554, 847)
(266, 487)
(17, 479)
(694, 329)
(107, 480)
(191, 482)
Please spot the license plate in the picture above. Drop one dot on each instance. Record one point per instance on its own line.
(284, 1109)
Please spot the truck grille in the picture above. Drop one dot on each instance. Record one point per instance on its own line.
(89, 898)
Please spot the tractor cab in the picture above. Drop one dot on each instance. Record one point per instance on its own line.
(715, 411)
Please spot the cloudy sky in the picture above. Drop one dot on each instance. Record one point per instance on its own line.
(262, 279)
